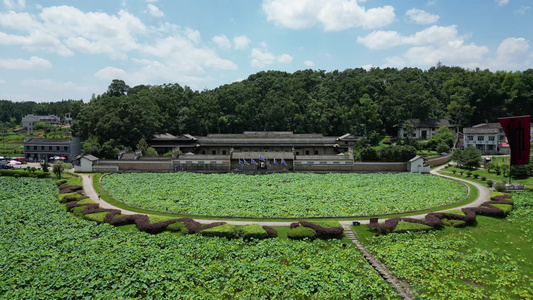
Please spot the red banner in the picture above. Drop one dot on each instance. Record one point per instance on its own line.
(517, 130)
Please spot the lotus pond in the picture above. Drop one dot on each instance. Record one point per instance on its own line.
(283, 195)
(46, 253)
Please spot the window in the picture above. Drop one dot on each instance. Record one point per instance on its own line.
(306, 152)
(316, 152)
(214, 152)
(223, 152)
(27, 147)
(34, 147)
(65, 148)
(481, 138)
(42, 148)
(49, 148)
(203, 152)
(470, 137)
(492, 138)
(57, 148)
(297, 153)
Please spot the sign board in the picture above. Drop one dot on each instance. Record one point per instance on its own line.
(517, 130)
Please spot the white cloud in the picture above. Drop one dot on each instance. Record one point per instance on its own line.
(241, 42)
(432, 35)
(421, 17)
(523, 9)
(61, 29)
(154, 11)
(432, 44)
(110, 73)
(309, 63)
(222, 41)
(332, 15)
(502, 2)
(193, 35)
(512, 53)
(34, 63)
(367, 67)
(262, 58)
(284, 58)
(12, 4)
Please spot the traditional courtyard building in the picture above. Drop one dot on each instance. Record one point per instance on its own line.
(256, 149)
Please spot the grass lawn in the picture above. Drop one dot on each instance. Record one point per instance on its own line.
(483, 173)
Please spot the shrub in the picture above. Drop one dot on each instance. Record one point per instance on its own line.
(325, 233)
(98, 217)
(404, 226)
(476, 176)
(226, 230)
(500, 187)
(454, 223)
(270, 231)
(468, 174)
(490, 183)
(68, 198)
(483, 178)
(461, 173)
(61, 182)
(178, 227)
(454, 171)
(253, 231)
(505, 207)
(301, 233)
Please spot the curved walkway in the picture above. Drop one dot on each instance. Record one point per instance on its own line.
(483, 196)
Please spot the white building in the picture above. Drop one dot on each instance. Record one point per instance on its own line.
(423, 129)
(489, 138)
(30, 120)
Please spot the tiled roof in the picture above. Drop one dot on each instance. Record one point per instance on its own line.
(45, 140)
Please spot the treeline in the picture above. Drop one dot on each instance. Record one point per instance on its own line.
(361, 102)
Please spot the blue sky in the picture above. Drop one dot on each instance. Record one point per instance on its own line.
(53, 50)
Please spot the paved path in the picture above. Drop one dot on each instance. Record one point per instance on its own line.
(484, 195)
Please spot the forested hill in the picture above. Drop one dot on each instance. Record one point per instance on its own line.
(332, 103)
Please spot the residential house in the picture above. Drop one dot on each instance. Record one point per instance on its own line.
(423, 129)
(42, 149)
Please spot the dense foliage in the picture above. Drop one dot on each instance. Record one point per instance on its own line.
(490, 261)
(282, 195)
(46, 253)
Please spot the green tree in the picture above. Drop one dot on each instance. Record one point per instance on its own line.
(471, 157)
(151, 152)
(58, 168)
(458, 157)
(142, 145)
(117, 88)
(443, 136)
(460, 110)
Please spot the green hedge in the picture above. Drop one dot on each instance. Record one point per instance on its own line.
(226, 230)
(301, 232)
(253, 231)
(454, 223)
(178, 227)
(505, 207)
(404, 226)
(98, 217)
